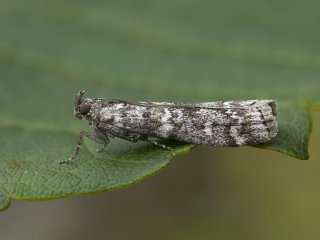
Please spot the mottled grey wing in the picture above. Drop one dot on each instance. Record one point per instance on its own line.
(234, 123)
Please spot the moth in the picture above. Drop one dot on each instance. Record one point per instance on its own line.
(222, 123)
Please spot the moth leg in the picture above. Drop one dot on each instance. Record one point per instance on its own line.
(103, 136)
(96, 138)
(130, 138)
(160, 145)
(155, 143)
(136, 137)
(126, 135)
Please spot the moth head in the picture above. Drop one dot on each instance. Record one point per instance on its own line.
(81, 107)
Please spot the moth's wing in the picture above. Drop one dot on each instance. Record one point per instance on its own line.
(234, 123)
(244, 104)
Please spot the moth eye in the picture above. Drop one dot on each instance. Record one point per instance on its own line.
(84, 108)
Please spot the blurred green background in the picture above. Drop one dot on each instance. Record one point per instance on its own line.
(167, 51)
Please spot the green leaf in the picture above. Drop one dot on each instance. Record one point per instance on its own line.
(29, 168)
(294, 130)
(186, 51)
